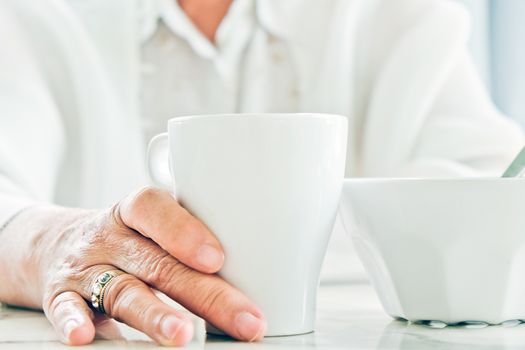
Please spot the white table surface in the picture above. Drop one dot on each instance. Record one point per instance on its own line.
(349, 317)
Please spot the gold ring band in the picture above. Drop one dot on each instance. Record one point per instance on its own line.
(99, 288)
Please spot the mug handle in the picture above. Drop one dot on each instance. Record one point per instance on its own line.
(158, 161)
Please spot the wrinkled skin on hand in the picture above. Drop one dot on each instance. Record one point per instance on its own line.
(54, 256)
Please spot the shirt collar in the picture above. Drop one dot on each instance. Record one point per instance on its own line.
(277, 17)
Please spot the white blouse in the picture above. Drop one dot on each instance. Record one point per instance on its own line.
(182, 73)
(85, 83)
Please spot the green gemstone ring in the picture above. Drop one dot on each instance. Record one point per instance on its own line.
(99, 288)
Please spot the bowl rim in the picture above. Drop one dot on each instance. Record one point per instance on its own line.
(431, 179)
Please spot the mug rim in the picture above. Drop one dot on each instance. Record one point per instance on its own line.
(276, 115)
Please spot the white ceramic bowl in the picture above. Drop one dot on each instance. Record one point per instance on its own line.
(451, 250)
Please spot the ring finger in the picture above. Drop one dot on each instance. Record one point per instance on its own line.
(129, 300)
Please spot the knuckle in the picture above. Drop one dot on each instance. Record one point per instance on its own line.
(143, 199)
(215, 300)
(55, 288)
(120, 294)
(66, 302)
(147, 193)
(115, 215)
(134, 209)
(96, 239)
(57, 302)
(96, 232)
(163, 269)
(67, 276)
(63, 282)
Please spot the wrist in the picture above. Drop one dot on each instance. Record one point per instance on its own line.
(28, 245)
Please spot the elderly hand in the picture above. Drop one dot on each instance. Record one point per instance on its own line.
(51, 257)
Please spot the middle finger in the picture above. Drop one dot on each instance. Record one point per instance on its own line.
(208, 296)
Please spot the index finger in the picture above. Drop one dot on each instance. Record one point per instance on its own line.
(157, 215)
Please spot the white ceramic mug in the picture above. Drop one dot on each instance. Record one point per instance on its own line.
(268, 186)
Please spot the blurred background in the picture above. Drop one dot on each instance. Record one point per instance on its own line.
(498, 46)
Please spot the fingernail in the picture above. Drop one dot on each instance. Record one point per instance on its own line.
(249, 327)
(209, 256)
(69, 327)
(176, 331)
